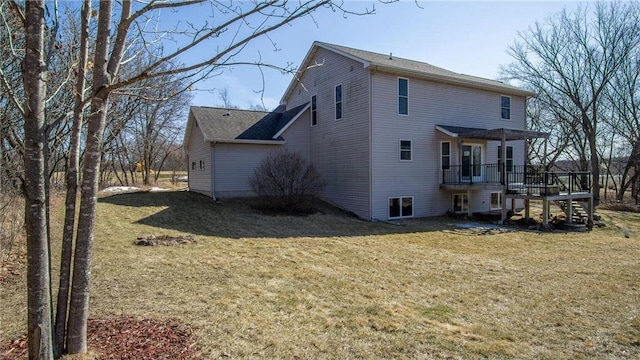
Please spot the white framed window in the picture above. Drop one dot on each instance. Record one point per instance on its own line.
(459, 202)
(403, 96)
(338, 98)
(509, 158)
(496, 200)
(405, 150)
(505, 107)
(201, 164)
(445, 155)
(193, 165)
(314, 111)
(400, 207)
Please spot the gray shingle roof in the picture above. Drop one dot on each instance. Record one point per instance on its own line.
(221, 123)
(417, 68)
(233, 124)
(271, 124)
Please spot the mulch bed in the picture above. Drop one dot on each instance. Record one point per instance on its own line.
(127, 338)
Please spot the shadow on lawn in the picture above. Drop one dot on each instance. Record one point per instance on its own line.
(235, 218)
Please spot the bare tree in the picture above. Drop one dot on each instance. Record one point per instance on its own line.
(570, 60)
(218, 43)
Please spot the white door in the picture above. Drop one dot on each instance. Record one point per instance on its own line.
(471, 163)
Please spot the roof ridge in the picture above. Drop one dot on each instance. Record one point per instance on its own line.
(225, 108)
(394, 57)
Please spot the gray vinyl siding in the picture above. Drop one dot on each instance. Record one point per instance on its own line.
(339, 148)
(430, 104)
(233, 166)
(199, 150)
(297, 135)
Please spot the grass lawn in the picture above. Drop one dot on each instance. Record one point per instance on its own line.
(329, 286)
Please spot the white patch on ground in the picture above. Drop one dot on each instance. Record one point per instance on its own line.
(120, 188)
(155, 188)
(474, 225)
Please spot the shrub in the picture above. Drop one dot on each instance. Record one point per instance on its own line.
(287, 182)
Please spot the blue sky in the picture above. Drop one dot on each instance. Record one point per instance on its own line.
(469, 37)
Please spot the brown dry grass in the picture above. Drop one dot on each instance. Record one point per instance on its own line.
(329, 286)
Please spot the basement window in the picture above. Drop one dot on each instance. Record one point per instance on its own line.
(401, 207)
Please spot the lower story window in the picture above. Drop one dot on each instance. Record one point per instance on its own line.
(460, 202)
(496, 200)
(400, 207)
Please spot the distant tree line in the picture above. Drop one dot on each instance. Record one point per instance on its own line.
(584, 66)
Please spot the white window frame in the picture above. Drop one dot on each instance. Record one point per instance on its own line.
(202, 167)
(503, 107)
(401, 198)
(442, 155)
(402, 96)
(402, 150)
(314, 110)
(463, 208)
(336, 102)
(499, 200)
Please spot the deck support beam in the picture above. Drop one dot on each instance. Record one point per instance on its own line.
(527, 211)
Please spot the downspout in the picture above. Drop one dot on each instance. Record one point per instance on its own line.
(213, 193)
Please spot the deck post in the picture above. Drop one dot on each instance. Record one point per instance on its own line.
(513, 205)
(503, 213)
(545, 211)
(526, 209)
(590, 221)
(469, 214)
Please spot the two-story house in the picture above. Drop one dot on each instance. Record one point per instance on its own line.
(392, 138)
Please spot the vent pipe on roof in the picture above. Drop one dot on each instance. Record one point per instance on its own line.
(390, 56)
(228, 113)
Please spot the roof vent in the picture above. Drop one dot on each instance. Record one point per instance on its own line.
(390, 56)
(227, 113)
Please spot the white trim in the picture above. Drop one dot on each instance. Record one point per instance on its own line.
(335, 102)
(293, 119)
(410, 150)
(446, 132)
(500, 200)
(509, 97)
(244, 141)
(413, 211)
(450, 154)
(398, 96)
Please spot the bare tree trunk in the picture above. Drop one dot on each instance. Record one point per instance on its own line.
(38, 277)
(77, 323)
(72, 189)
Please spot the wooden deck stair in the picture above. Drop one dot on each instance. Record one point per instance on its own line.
(579, 209)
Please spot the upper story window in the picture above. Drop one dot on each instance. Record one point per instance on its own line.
(445, 155)
(314, 111)
(405, 150)
(509, 157)
(338, 102)
(403, 96)
(505, 107)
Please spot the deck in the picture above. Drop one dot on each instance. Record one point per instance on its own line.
(525, 182)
